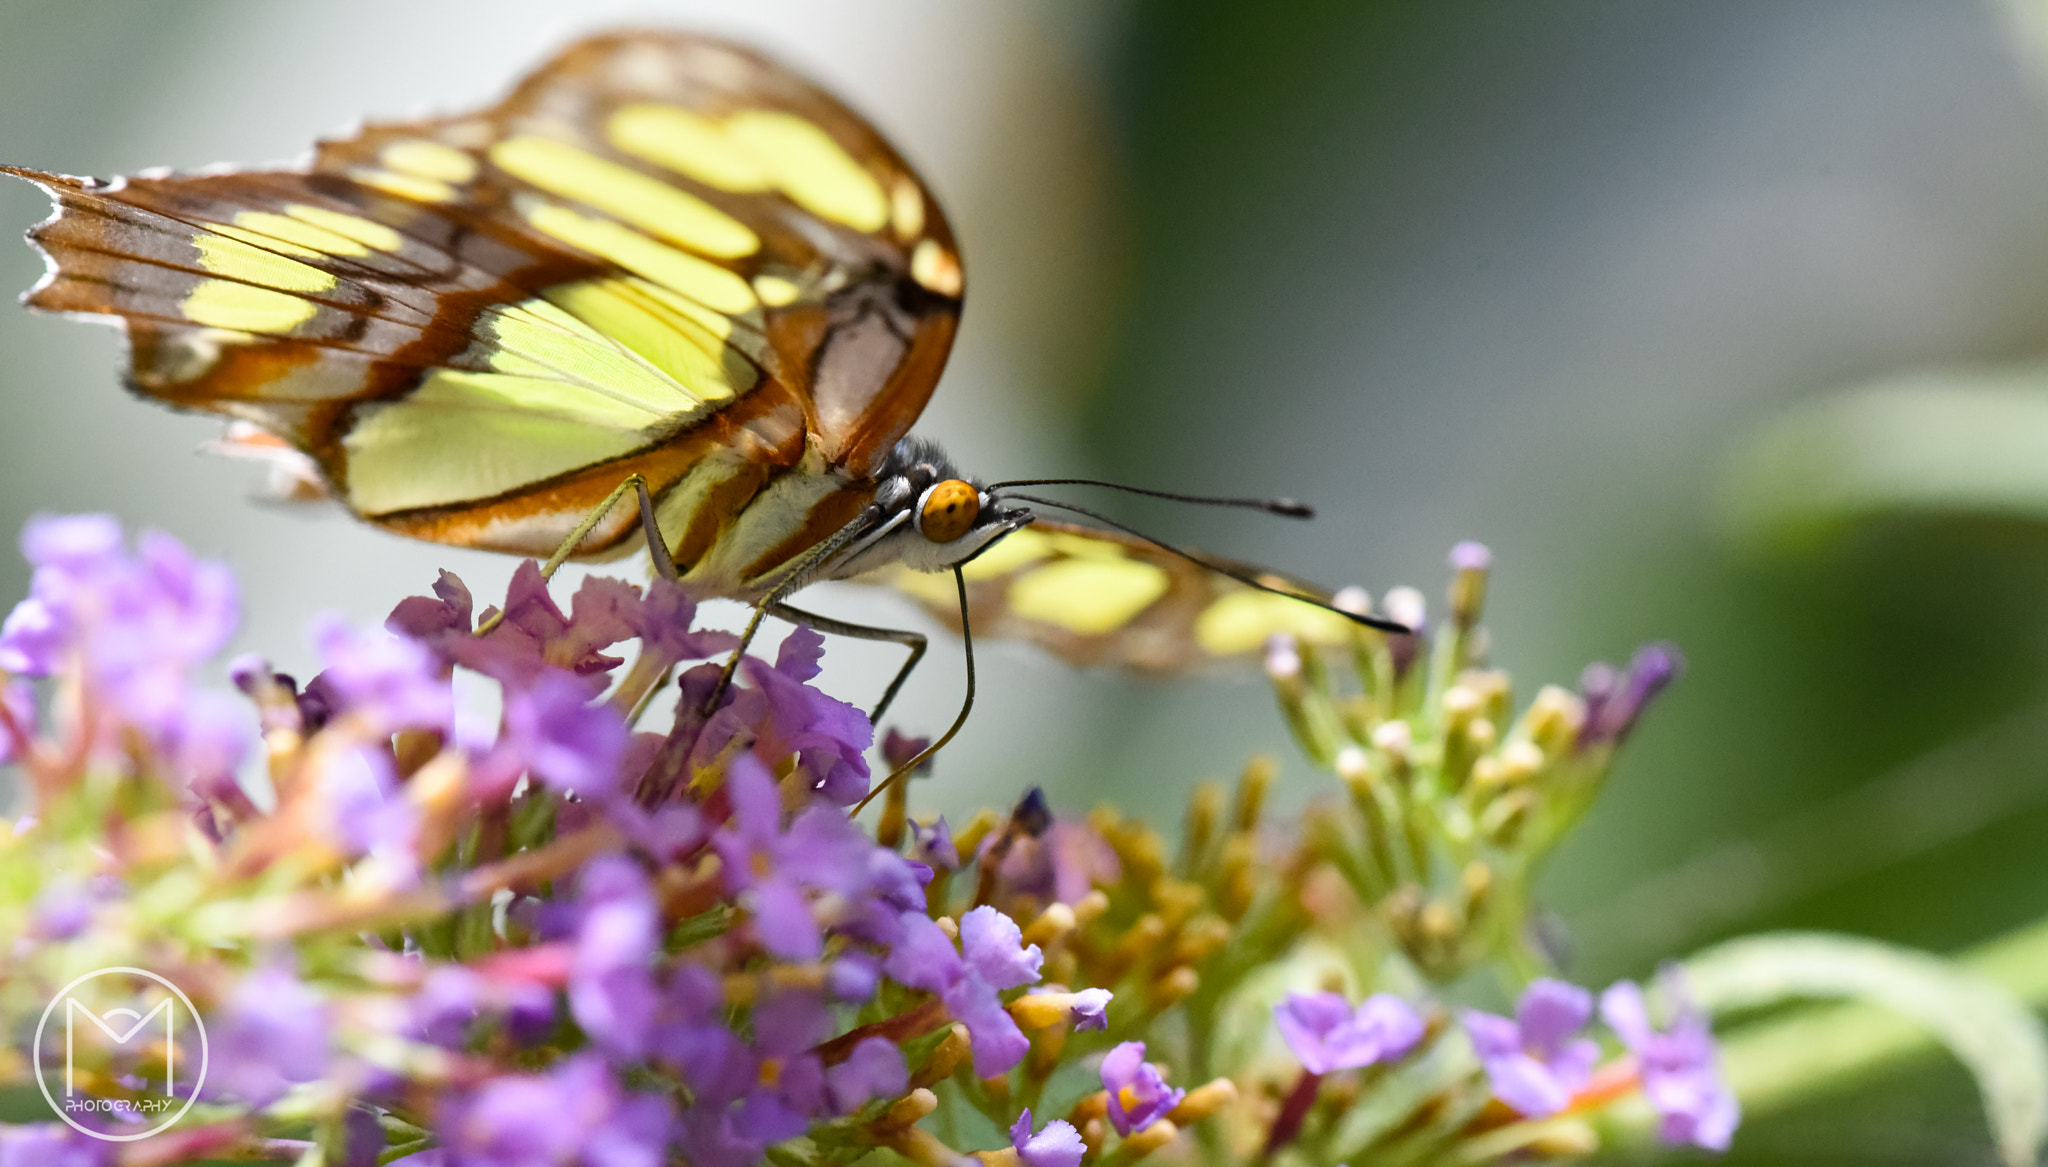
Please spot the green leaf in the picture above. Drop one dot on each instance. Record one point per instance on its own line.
(1988, 1028)
(1951, 442)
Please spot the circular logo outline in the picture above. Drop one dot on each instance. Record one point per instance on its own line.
(64, 993)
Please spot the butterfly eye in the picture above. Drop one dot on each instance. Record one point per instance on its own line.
(949, 510)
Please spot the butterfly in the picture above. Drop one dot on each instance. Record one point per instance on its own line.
(664, 262)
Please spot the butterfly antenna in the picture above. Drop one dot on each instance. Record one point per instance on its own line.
(1273, 506)
(1238, 574)
(902, 773)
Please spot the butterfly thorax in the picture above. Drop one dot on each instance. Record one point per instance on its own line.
(817, 522)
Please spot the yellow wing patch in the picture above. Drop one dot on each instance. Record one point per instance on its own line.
(245, 308)
(428, 160)
(700, 280)
(354, 228)
(756, 150)
(253, 265)
(1087, 596)
(463, 436)
(647, 203)
(1243, 621)
(676, 336)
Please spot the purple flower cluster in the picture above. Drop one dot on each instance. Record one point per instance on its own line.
(274, 1032)
(816, 872)
(1328, 1035)
(1538, 1060)
(52, 1145)
(992, 957)
(1678, 1066)
(131, 627)
(783, 716)
(574, 1115)
(1615, 700)
(1138, 1093)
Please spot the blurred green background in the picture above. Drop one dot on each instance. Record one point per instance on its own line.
(1719, 323)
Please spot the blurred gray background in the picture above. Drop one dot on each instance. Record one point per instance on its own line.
(1545, 275)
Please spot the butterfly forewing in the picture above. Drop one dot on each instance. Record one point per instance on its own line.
(660, 254)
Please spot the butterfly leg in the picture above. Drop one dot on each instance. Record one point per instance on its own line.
(916, 642)
(793, 579)
(656, 546)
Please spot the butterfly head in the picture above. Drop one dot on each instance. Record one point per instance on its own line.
(927, 515)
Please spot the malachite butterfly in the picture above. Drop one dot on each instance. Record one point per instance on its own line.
(661, 255)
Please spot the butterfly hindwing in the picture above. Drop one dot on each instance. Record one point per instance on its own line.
(660, 254)
(1096, 597)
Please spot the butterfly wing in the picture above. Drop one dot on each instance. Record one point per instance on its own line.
(1097, 597)
(661, 253)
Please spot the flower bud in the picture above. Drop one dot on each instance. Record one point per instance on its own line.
(945, 1057)
(1200, 939)
(1143, 1143)
(1252, 786)
(1204, 1100)
(1502, 822)
(1553, 721)
(1471, 562)
(1052, 925)
(1090, 906)
(1176, 986)
(912, 1107)
(1205, 815)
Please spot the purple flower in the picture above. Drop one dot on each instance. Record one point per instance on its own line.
(453, 996)
(874, 1069)
(62, 910)
(368, 812)
(389, 681)
(1615, 714)
(1471, 555)
(611, 987)
(820, 851)
(448, 1000)
(426, 620)
(1681, 1078)
(932, 845)
(565, 740)
(274, 1032)
(1536, 1062)
(992, 958)
(830, 736)
(50, 1144)
(1063, 863)
(1138, 1093)
(132, 625)
(207, 743)
(899, 748)
(1090, 1009)
(663, 622)
(737, 1105)
(536, 635)
(1328, 1035)
(576, 1115)
(1058, 1145)
(362, 1139)
(854, 977)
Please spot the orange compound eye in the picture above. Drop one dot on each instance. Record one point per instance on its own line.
(949, 510)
